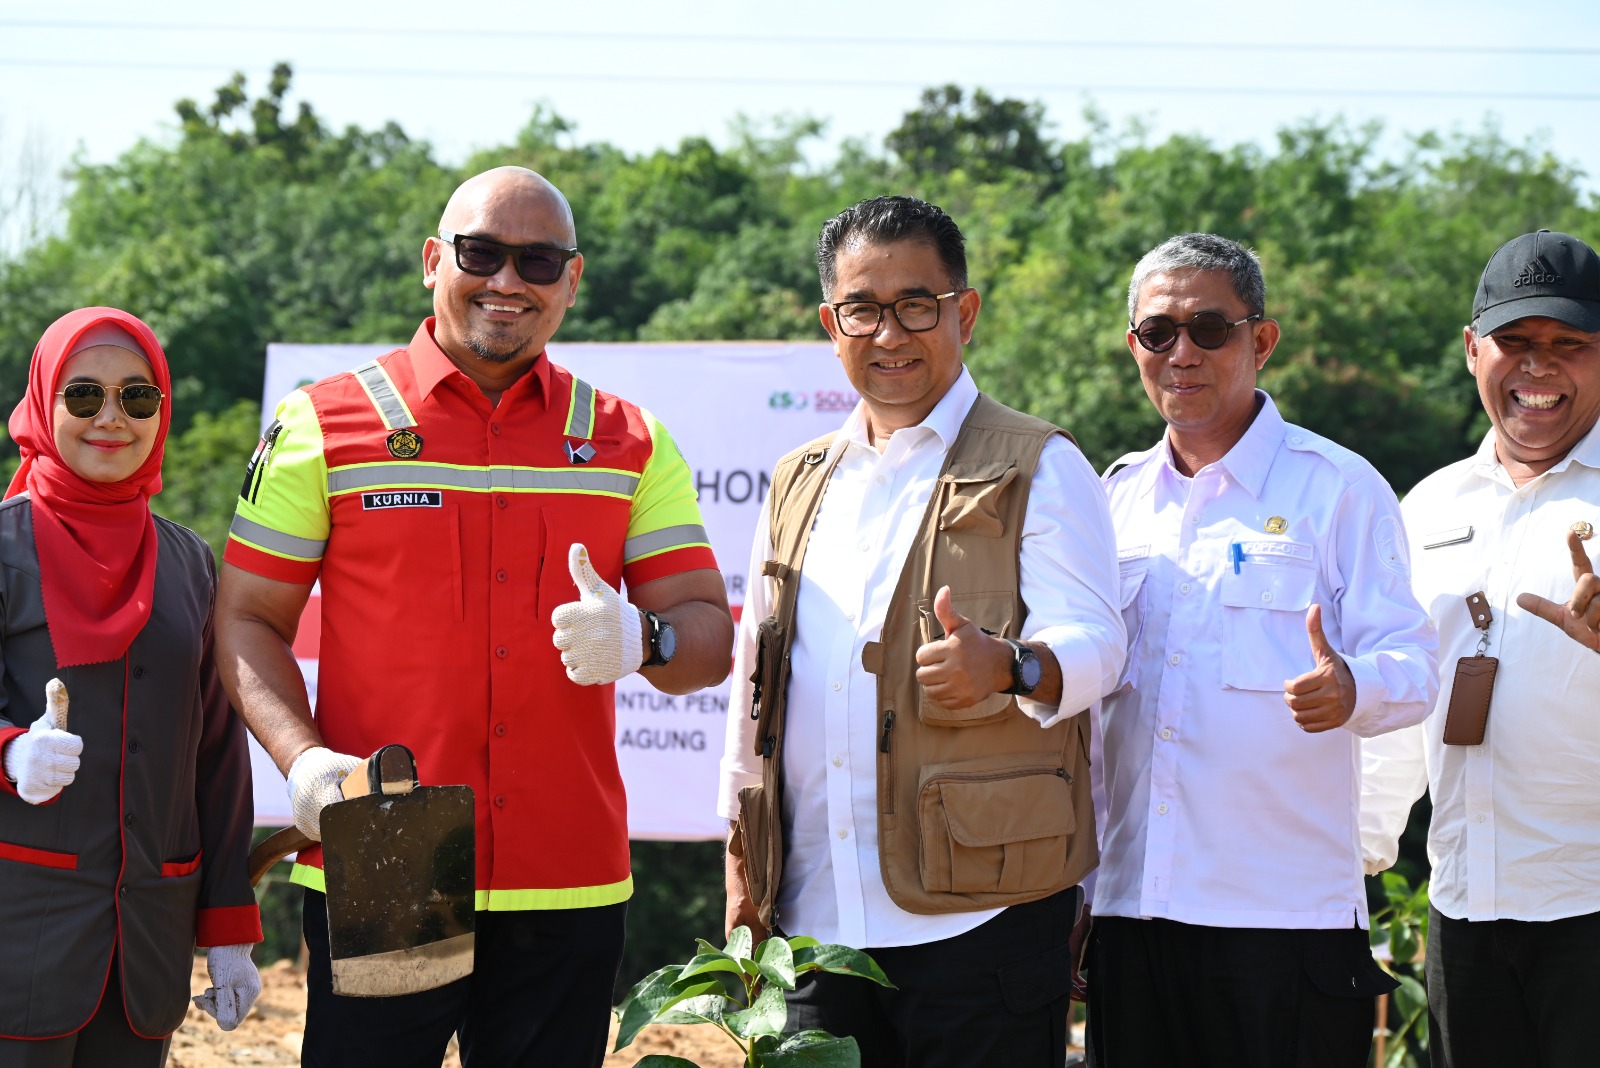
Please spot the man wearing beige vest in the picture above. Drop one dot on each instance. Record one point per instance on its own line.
(908, 773)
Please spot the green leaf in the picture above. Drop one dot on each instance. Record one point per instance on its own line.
(1402, 942)
(661, 1060)
(740, 943)
(776, 961)
(765, 1017)
(706, 1008)
(813, 1049)
(799, 942)
(714, 961)
(643, 1002)
(840, 960)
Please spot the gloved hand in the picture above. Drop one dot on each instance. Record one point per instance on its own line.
(45, 759)
(600, 635)
(314, 780)
(235, 984)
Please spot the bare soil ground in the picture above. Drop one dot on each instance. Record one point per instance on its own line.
(271, 1034)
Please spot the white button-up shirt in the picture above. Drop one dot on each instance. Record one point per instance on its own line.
(1219, 809)
(1516, 820)
(832, 886)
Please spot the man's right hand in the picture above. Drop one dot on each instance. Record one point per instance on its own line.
(314, 780)
(1579, 618)
(44, 761)
(741, 910)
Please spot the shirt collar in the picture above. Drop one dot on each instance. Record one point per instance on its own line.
(1251, 456)
(431, 366)
(944, 421)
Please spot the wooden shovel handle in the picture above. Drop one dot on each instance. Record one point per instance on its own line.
(279, 845)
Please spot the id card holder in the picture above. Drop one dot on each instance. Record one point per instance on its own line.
(1467, 718)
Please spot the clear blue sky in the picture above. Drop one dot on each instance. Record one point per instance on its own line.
(99, 75)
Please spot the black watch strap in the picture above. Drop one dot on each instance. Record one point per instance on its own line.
(663, 640)
(1026, 671)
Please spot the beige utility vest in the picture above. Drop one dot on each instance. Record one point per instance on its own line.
(978, 807)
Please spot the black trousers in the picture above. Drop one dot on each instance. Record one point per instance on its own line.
(1174, 995)
(104, 1041)
(996, 995)
(1516, 992)
(539, 994)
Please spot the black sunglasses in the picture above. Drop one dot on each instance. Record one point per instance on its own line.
(83, 400)
(1209, 330)
(538, 265)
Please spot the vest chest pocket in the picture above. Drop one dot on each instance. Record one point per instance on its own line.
(1264, 641)
(991, 612)
(1003, 831)
(972, 493)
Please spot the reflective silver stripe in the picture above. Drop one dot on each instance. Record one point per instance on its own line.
(391, 409)
(580, 420)
(277, 541)
(386, 476)
(665, 538)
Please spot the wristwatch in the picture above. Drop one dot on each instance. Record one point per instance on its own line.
(1026, 671)
(663, 640)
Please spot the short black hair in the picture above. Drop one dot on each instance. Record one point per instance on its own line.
(885, 219)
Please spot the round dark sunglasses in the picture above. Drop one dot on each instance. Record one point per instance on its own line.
(538, 265)
(1209, 330)
(83, 400)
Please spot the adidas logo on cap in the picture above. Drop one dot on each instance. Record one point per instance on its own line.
(1538, 273)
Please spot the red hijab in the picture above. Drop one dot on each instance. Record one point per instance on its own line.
(96, 540)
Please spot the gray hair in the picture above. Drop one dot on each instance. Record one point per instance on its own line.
(1204, 252)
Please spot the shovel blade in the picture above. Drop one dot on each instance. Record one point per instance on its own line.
(404, 971)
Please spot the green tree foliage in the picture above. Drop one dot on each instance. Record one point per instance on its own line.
(252, 221)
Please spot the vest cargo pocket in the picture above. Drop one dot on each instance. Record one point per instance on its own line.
(991, 612)
(972, 494)
(755, 841)
(986, 832)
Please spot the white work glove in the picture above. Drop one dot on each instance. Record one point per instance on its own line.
(45, 759)
(314, 780)
(235, 984)
(600, 635)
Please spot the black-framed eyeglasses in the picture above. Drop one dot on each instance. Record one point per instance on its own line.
(1208, 329)
(83, 400)
(538, 265)
(861, 318)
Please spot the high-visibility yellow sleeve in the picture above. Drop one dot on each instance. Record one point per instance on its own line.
(666, 534)
(280, 528)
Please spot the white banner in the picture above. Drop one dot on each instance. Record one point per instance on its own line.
(733, 409)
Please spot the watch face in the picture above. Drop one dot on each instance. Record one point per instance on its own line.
(667, 640)
(1032, 670)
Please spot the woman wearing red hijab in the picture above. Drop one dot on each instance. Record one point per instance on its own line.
(124, 830)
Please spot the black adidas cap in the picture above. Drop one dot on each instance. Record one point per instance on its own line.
(1545, 274)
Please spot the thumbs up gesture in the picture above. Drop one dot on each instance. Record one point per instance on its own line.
(44, 761)
(966, 665)
(600, 635)
(1324, 697)
(1579, 618)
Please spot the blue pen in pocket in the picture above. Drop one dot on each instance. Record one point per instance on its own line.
(1236, 555)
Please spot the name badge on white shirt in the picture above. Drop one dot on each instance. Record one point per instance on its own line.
(1441, 538)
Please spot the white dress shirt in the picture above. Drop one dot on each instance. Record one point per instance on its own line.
(832, 886)
(1219, 809)
(1516, 820)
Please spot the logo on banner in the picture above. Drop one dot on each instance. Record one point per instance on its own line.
(785, 400)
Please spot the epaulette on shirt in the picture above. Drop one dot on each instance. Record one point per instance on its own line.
(1128, 459)
(1351, 465)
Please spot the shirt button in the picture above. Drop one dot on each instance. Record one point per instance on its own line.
(494, 428)
(499, 500)
(850, 616)
(1194, 520)
(123, 890)
(1175, 658)
(500, 730)
(836, 687)
(500, 576)
(1480, 817)
(1267, 596)
(501, 651)
(1297, 439)
(499, 800)
(1184, 588)
(863, 546)
(128, 819)
(133, 746)
(138, 672)
(880, 480)
(843, 833)
(1166, 734)
(1162, 808)
(838, 762)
